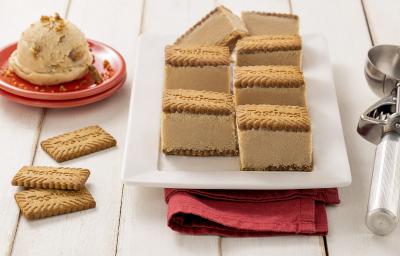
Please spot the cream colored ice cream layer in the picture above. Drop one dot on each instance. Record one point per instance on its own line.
(287, 57)
(259, 23)
(275, 150)
(270, 95)
(207, 78)
(51, 51)
(196, 133)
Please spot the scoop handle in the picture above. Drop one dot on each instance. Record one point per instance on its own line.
(382, 215)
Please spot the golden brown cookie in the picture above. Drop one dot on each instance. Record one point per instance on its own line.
(273, 118)
(41, 203)
(78, 143)
(198, 102)
(268, 77)
(196, 56)
(265, 43)
(51, 177)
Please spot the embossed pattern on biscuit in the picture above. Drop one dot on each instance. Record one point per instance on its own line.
(78, 143)
(197, 56)
(51, 177)
(40, 203)
(197, 102)
(268, 76)
(273, 117)
(268, 43)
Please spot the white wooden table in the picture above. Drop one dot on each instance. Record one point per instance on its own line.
(131, 221)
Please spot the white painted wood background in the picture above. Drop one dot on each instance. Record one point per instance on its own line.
(131, 221)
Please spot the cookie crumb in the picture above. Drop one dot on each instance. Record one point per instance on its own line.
(108, 70)
(94, 73)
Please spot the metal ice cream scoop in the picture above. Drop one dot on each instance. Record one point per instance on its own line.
(380, 124)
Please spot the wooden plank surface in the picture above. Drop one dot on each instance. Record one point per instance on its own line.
(19, 125)
(349, 42)
(290, 245)
(383, 19)
(91, 232)
(127, 219)
(143, 214)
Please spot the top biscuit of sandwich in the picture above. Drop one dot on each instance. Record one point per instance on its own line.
(196, 56)
(268, 43)
(197, 102)
(273, 117)
(268, 77)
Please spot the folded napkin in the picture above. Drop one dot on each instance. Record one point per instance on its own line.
(239, 213)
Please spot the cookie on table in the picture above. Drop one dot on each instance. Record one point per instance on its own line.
(275, 85)
(198, 123)
(269, 50)
(40, 203)
(197, 68)
(78, 143)
(51, 177)
(267, 23)
(219, 27)
(274, 138)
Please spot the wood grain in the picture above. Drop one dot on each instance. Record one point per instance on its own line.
(173, 16)
(18, 124)
(92, 232)
(383, 19)
(349, 42)
(126, 229)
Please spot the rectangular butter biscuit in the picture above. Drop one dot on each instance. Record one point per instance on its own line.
(40, 203)
(51, 177)
(78, 143)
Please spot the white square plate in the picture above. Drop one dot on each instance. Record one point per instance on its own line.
(145, 164)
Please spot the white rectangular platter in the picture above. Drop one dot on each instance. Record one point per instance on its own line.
(144, 163)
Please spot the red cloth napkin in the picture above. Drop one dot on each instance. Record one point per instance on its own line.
(239, 213)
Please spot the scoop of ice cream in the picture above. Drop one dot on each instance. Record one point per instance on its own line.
(51, 51)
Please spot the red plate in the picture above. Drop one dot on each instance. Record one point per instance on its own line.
(81, 88)
(63, 103)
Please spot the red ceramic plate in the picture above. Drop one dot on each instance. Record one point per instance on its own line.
(63, 103)
(81, 88)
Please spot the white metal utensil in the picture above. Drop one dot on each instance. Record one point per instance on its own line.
(380, 124)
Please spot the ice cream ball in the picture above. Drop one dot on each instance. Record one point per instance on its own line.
(51, 51)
